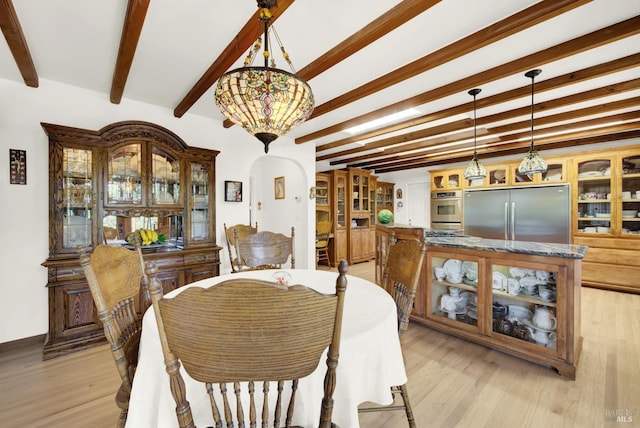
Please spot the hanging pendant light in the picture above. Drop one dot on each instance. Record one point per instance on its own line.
(475, 170)
(265, 101)
(532, 162)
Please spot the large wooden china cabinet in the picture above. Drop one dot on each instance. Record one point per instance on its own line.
(106, 184)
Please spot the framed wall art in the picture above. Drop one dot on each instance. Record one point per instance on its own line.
(233, 191)
(18, 166)
(278, 186)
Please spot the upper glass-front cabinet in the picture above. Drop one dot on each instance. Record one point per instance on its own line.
(124, 175)
(200, 208)
(594, 194)
(630, 195)
(165, 177)
(77, 197)
(128, 176)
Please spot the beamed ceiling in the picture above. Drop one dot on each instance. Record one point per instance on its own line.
(364, 60)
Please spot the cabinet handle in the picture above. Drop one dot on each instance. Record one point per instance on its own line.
(77, 271)
(201, 258)
(506, 221)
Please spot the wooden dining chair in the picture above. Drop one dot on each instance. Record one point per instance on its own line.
(323, 236)
(266, 250)
(120, 293)
(244, 330)
(241, 230)
(400, 278)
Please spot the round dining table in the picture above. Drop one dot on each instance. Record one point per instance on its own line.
(370, 360)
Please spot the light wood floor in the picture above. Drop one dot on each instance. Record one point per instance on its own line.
(452, 382)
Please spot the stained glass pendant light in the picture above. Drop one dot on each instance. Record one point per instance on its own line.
(532, 162)
(265, 101)
(475, 170)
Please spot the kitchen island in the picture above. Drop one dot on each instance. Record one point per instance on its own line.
(518, 297)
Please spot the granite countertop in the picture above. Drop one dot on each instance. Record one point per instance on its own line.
(518, 247)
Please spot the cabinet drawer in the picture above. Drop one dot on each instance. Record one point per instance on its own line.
(192, 259)
(66, 274)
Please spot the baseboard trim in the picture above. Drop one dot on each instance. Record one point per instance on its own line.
(21, 343)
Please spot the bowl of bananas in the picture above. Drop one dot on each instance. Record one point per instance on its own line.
(147, 238)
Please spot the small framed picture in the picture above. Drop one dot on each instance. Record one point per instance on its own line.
(18, 166)
(278, 186)
(233, 191)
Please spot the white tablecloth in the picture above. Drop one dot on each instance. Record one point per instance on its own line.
(370, 359)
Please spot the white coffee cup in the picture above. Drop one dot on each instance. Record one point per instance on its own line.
(626, 195)
(637, 194)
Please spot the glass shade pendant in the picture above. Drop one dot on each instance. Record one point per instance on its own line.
(532, 162)
(266, 101)
(475, 170)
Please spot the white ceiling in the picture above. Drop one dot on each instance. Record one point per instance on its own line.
(76, 42)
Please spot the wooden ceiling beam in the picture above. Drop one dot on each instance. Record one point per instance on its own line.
(12, 30)
(615, 32)
(586, 137)
(234, 50)
(518, 139)
(131, 29)
(542, 106)
(520, 21)
(381, 26)
(405, 138)
(616, 136)
(572, 78)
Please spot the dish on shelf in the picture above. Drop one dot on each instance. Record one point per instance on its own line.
(473, 314)
(469, 298)
(553, 175)
(499, 281)
(470, 271)
(600, 167)
(517, 272)
(530, 324)
(520, 313)
(603, 215)
(452, 267)
(629, 213)
(467, 281)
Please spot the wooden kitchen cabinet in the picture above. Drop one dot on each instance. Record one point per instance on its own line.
(467, 292)
(360, 215)
(323, 197)
(384, 196)
(447, 179)
(126, 176)
(605, 206)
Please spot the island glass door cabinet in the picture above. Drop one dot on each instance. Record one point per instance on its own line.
(104, 186)
(524, 307)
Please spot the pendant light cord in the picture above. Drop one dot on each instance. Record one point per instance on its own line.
(532, 84)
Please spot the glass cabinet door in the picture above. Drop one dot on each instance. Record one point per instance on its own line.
(355, 194)
(454, 290)
(524, 304)
(77, 187)
(124, 175)
(200, 212)
(364, 193)
(630, 196)
(594, 196)
(341, 202)
(322, 190)
(165, 178)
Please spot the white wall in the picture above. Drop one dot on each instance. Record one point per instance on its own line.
(24, 216)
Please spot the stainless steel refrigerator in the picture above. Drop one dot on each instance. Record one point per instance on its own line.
(539, 214)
